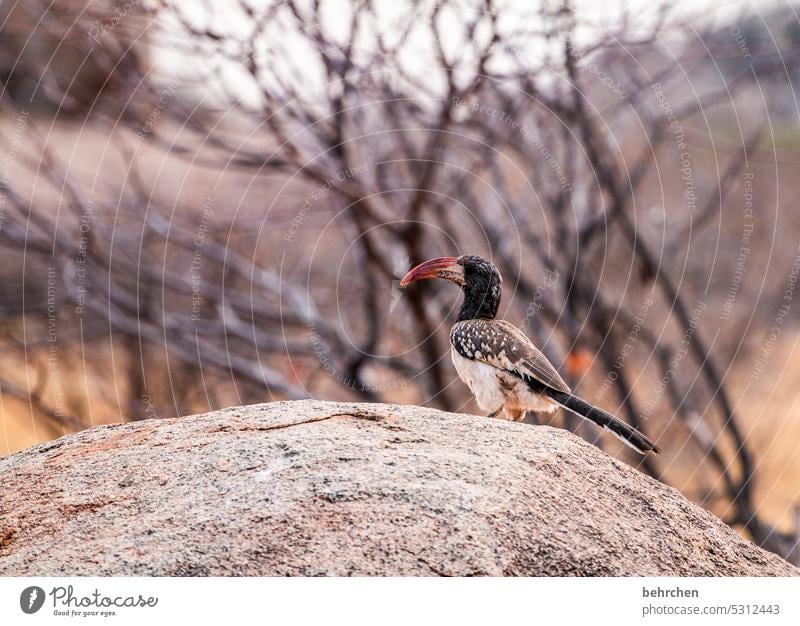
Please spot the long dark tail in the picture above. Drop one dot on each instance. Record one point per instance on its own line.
(627, 434)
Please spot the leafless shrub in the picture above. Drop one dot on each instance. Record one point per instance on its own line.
(373, 139)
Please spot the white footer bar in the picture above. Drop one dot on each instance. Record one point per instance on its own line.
(402, 601)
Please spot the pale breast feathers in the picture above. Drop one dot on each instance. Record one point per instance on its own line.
(502, 345)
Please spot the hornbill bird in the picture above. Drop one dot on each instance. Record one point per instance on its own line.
(506, 373)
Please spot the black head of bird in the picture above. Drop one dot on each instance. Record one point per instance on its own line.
(504, 370)
(479, 279)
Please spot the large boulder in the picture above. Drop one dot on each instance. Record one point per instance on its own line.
(307, 488)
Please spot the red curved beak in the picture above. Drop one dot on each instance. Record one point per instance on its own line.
(446, 267)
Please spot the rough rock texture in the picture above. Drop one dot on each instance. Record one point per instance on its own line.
(307, 488)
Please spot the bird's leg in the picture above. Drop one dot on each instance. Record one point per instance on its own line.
(533, 417)
(516, 415)
(507, 413)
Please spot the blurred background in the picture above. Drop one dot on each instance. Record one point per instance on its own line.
(211, 203)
